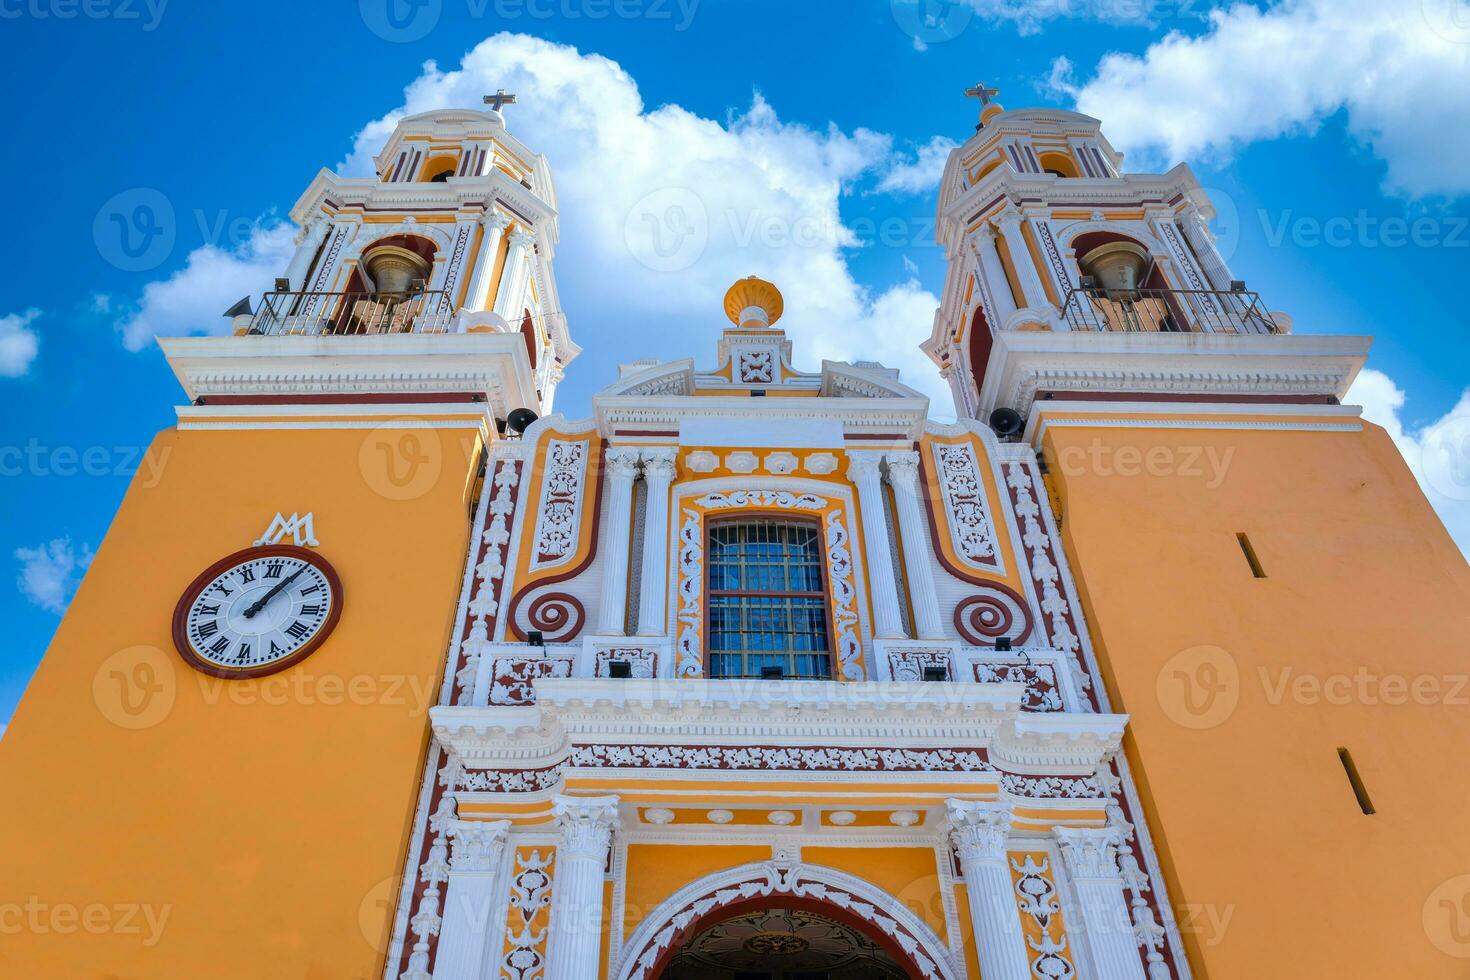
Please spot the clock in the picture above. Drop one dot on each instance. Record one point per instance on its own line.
(257, 611)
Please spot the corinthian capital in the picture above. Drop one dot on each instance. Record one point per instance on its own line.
(476, 844)
(978, 829)
(658, 464)
(522, 237)
(1090, 852)
(622, 462)
(903, 469)
(863, 464)
(587, 824)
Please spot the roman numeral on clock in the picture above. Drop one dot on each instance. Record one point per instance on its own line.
(298, 630)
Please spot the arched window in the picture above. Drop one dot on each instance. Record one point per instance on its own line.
(767, 599)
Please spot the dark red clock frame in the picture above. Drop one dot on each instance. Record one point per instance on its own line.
(206, 577)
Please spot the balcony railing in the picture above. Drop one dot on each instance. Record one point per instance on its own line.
(1167, 311)
(318, 313)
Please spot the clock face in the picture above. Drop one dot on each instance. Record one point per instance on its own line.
(257, 611)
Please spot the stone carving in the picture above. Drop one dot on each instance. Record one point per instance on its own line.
(967, 512)
(559, 511)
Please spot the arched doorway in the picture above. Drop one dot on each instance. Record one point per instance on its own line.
(695, 916)
(782, 944)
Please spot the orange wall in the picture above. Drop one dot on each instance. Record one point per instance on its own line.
(1278, 870)
(231, 828)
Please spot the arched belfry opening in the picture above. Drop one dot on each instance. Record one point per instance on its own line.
(785, 941)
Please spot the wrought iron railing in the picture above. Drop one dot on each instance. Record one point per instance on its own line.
(1167, 311)
(318, 313)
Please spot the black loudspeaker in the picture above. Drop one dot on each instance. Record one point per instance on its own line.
(520, 419)
(1006, 422)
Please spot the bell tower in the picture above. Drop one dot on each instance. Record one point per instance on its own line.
(236, 702)
(1242, 540)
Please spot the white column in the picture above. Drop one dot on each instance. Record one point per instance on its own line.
(513, 278)
(998, 287)
(903, 473)
(1212, 263)
(862, 470)
(1031, 288)
(658, 474)
(306, 245)
(474, 866)
(1091, 857)
(622, 466)
(979, 831)
(479, 291)
(587, 825)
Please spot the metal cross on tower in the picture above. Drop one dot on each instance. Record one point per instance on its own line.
(500, 98)
(979, 91)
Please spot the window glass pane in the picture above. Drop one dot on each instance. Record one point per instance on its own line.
(767, 606)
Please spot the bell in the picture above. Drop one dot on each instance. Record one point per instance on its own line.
(1117, 266)
(394, 269)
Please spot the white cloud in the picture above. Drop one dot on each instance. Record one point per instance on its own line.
(193, 299)
(921, 173)
(661, 209)
(1438, 453)
(1258, 74)
(49, 572)
(18, 343)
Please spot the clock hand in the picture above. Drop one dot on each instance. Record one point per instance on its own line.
(259, 604)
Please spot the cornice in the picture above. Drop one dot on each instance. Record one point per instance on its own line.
(480, 193)
(1025, 363)
(495, 365)
(803, 715)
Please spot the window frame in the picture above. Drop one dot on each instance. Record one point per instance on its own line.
(753, 517)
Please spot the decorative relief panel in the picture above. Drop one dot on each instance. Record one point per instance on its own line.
(757, 367)
(494, 542)
(513, 678)
(642, 661)
(993, 612)
(814, 759)
(908, 665)
(1042, 692)
(523, 956)
(1040, 907)
(559, 508)
(841, 574)
(964, 526)
(1046, 576)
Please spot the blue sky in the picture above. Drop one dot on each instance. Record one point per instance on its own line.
(1334, 136)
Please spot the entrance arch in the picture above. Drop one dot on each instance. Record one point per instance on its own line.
(812, 890)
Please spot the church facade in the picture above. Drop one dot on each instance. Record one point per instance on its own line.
(760, 670)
